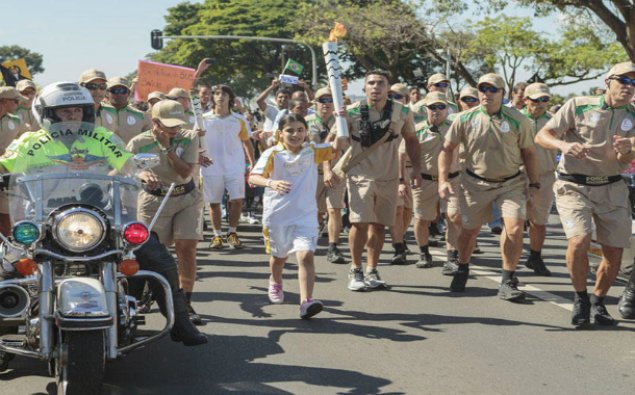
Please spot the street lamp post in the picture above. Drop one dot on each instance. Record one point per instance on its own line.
(157, 43)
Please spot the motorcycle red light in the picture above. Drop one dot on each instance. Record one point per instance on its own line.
(26, 266)
(136, 233)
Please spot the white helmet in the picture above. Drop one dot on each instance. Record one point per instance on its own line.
(60, 95)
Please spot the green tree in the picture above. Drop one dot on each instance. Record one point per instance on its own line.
(33, 59)
(246, 65)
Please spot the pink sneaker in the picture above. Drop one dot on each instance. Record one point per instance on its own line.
(309, 308)
(276, 294)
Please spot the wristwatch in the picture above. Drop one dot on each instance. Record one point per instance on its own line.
(534, 185)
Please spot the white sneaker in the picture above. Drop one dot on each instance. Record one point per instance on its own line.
(356, 280)
(310, 308)
(276, 294)
(373, 280)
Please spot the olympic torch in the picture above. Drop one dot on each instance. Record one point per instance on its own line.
(334, 70)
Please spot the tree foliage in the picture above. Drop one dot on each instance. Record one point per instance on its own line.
(33, 59)
(246, 65)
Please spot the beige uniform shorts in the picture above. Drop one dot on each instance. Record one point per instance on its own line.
(606, 205)
(539, 201)
(406, 200)
(478, 195)
(428, 203)
(372, 201)
(181, 218)
(328, 198)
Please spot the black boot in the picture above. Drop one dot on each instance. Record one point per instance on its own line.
(626, 305)
(183, 330)
(194, 317)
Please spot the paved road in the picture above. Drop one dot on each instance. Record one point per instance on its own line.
(416, 338)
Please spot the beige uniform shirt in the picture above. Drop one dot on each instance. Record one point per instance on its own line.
(127, 122)
(492, 144)
(383, 163)
(589, 120)
(28, 120)
(546, 159)
(11, 126)
(185, 145)
(431, 142)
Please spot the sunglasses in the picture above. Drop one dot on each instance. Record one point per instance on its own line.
(437, 107)
(487, 88)
(624, 80)
(325, 100)
(395, 96)
(544, 99)
(119, 91)
(441, 84)
(94, 86)
(469, 99)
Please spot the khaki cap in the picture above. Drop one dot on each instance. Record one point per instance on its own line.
(400, 88)
(117, 81)
(177, 93)
(9, 92)
(169, 112)
(22, 85)
(492, 79)
(435, 97)
(439, 77)
(92, 74)
(156, 95)
(536, 90)
(323, 92)
(468, 91)
(621, 68)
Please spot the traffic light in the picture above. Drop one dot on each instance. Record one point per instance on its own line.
(156, 39)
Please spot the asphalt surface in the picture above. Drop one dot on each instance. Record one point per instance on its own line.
(416, 338)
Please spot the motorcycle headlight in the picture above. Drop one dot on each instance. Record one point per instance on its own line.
(79, 229)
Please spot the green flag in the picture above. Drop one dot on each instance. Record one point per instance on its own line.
(294, 66)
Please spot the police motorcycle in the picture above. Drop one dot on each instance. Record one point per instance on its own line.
(66, 266)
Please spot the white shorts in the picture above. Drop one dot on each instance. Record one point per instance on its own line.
(280, 241)
(214, 187)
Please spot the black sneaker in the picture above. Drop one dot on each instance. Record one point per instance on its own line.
(459, 280)
(399, 258)
(335, 256)
(425, 261)
(581, 315)
(626, 305)
(601, 316)
(538, 266)
(497, 230)
(509, 291)
(449, 268)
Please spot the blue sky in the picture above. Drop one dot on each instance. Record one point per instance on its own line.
(111, 35)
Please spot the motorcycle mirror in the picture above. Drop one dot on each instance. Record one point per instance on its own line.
(146, 161)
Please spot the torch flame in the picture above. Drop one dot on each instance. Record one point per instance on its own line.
(339, 31)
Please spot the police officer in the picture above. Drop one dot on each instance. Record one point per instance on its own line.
(595, 135)
(69, 102)
(373, 181)
(118, 116)
(537, 98)
(183, 97)
(431, 134)
(95, 81)
(330, 194)
(436, 83)
(468, 98)
(180, 221)
(28, 90)
(497, 141)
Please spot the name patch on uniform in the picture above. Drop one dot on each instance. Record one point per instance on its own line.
(109, 118)
(11, 125)
(505, 127)
(131, 120)
(627, 124)
(594, 118)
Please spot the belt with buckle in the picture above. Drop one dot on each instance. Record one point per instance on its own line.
(592, 181)
(179, 190)
(430, 177)
(471, 173)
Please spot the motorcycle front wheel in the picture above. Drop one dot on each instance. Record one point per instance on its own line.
(81, 363)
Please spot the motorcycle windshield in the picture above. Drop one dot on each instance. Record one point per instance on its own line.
(73, 163)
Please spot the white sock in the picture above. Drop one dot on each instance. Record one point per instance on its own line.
(231, 230)
(217, 232)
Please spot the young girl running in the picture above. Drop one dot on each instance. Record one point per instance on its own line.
(288, 170)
